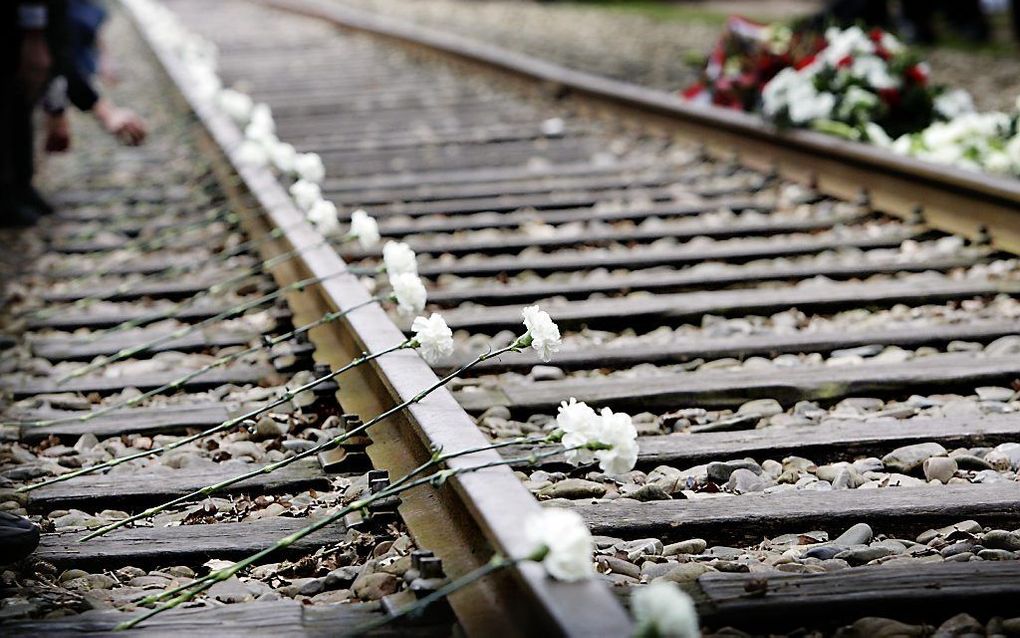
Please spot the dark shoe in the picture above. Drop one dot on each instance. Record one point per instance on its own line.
(17, 215)
(36, 202)
(18, 538)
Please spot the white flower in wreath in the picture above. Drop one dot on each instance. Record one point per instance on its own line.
(874, 71)
(807, 108)
(954, 103)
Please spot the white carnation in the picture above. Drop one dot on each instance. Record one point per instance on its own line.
(305, 194)
(282, 155)
(323, 215)
(563, 541)
(236, 105)
(434, 337)
(251, 153)
(877, 135)
(952, 104)
(262, 117)
(807, 108)
(545, 335)
(662, 609)
(1013, 151)
(260, 133)
(309, 167)
(409, 293)
(364, 228)
(874, 71)
(399, 258)
(580, 426)
(618, 432)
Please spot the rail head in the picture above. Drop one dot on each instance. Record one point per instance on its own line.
(490, 504)
(954, 200)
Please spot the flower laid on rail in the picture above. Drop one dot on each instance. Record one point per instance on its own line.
(260, 134)
(579, 424)
(282, 155)
(663, 610)
(399, 258)
(236, 105)
(409, 293)
(543, 335)
(608, 437)
(309, 167)
(323, 215)
(262, 117)
(364, 228)
(562, 543)
(618, 433)
(305, 194)
(251, 153)
(432, 337)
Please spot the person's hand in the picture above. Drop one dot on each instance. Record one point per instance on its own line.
(34, 68)
(58, 133)
(123, 123)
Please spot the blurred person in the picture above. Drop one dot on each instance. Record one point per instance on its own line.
(75, 83)
(25, 65)
(965, 17)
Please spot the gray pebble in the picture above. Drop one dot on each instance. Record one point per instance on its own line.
(689, 546)
(859, 534)
(939, 468)
(910, 457)
(862, 555)
(573, 488)
(1001, 539)
(720, 471)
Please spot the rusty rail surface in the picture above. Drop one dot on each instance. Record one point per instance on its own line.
(478, 513)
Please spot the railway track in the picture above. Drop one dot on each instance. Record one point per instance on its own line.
(819, 347)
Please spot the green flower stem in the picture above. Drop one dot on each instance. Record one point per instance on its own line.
(216, 487)
(124, 353)
(495, 564)
(217, 363)
(214, 289)
(225, 425)
(436, 479)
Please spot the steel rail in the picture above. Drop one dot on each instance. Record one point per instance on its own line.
(972, 204)
(476, 514)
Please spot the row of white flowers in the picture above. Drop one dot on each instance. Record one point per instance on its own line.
(560, 539)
